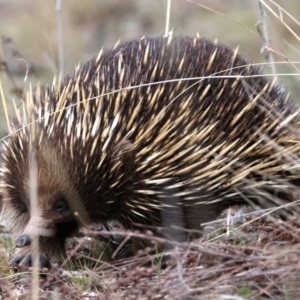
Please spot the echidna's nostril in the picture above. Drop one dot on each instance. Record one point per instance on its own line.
(22, 241)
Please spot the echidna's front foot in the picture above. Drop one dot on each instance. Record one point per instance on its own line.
(23, 259)
(51, 252)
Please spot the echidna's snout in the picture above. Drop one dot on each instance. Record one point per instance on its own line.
(22, 241)
(37, 226)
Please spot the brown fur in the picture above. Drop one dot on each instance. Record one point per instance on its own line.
(169, 153)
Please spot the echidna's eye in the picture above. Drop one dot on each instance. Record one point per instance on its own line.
(61, 206)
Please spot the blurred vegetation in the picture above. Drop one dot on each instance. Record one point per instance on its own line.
(30, 35)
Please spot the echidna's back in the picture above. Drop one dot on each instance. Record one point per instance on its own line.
(202, 121)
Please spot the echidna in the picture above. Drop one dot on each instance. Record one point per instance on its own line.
(153, 133)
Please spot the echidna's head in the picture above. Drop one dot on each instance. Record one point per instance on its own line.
(37, 190)
(46, 188)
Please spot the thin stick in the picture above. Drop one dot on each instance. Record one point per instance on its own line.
(60, 35)
(5, 108)
(34, 209)
(168, 17)
(279, 17)
(264, 34)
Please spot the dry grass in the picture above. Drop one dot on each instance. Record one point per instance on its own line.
(259, 260)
